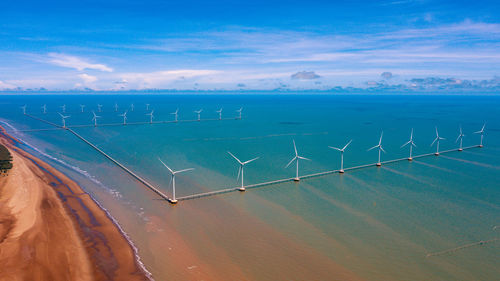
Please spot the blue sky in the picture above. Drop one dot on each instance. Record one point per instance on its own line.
(252, 45)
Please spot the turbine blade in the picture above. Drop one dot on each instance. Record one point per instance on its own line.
(458, 138)
(346, 145)
(381, 148)
(235, 157)
(434, 141)
(381, 135)
(372, 147)
(291, 161)
(239, 173)
(412, 143)
(295, 148)
(332, 147)
(246, 162)
(185, 170)
(406, 143)
(166, 166)
(303, 158)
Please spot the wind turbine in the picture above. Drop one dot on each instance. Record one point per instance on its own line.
(44, 109)
(199, 113)
(116, 107)
(175, 114)
(147, 106)
(296, 159)
(460, 137)
(99, 107)
(64, 119)
(379, 146)
(437, 139)
(95, 118)
(241, 169)
(124, 115)
(341, 155)
(63, 108)
(131, 107)
(24, 109)
(82, 106)
(220, 113)
(151, 116)
(239, 113)
(481, 132)
(172, 180)
(411, 143)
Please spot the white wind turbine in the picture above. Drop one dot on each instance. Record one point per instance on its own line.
(131, 107)
(82, 106)
(63, 108)
(44, 109)
(24, 109)
(95, 118)
(116, 107)
(172, 180)
(241, 169)
(380, 148)
(99, 107)
(220, 113)
(239, 113)
(151, 116)
(296, 159)
(124, 115)
(341, 155)
(176, 113)
(411, 143)
(64, 119)
(436, 140)
(198, 112)
(147, 106)
(460, 137)
(481, 132)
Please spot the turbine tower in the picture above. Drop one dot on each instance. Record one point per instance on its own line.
(64, 119)
(341, 155)
(239, 113)
(95, 118)
(380, 148)
(460, 137)
(436, 140)
(411, 143)
(124, 115)
(99, 107)
(481, 132)
(151, 116)
(172, 180)
(199, 113)
(176, 113)
(296, 159)
(24, 109)
(44, 109)
(82, 106)
(241, 169)
(220, 113)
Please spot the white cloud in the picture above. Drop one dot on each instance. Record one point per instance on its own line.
(87, 79)
(166, 77)
(75, 62)
(5, 85)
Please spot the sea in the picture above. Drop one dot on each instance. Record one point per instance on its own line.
(434, 218)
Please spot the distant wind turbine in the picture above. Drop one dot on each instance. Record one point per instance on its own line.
(116, 107)
(63, 108)
(172, 180)
(198, 112)
(147, 106)
(296, 158)
(220, 113)
(151, 116)
(82, 106)
(132, 107)
(124, 115)
(95, 118)
(239, 113)
(460, 137)
(341, 155)
(44, 109)
(241, 169)
(481, 132)
(436, 140)
(380, 148)
(99, 107)
(24, 109)
(411, 143)
(175, 113)
(64, 119)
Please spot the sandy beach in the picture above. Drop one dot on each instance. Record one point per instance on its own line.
(50, 229)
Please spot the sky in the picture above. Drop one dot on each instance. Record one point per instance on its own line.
(399, 45)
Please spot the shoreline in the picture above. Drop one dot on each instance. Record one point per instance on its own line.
(46, 218)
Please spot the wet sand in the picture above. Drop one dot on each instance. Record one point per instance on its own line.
(50, 229)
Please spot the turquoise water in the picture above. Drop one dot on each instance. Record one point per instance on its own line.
(376, 223)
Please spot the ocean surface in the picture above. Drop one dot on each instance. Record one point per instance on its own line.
(373, 223)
